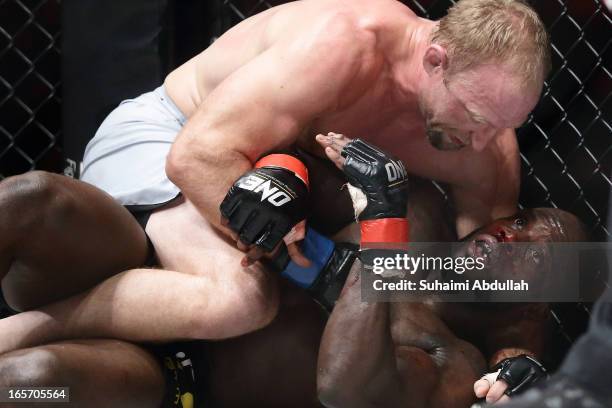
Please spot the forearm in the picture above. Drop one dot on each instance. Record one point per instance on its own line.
(356, 349)
(510, 346)
(136, 305)
(526, 336)
(509, 352)
(204, 171)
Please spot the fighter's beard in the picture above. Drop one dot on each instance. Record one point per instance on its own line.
(438, 140)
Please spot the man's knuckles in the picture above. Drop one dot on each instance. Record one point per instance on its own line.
(496, 392)
(481, 388)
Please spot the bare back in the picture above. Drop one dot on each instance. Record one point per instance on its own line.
(364, 104)
(191, 83)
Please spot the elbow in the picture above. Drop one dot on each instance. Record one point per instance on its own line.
(183, 158)
(177, 164)
(333, 392)
(181, 161)
(327, 397)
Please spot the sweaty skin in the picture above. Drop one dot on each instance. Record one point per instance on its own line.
(104, 373)
(432, 354)
(364, 68)
(303, 68)
(95, 369)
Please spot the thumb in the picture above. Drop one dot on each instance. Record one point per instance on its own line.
(296, 255)
(297, 233)
(481, 387)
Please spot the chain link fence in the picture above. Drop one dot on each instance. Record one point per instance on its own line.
(30, 125)
(566, 145)
(30, 95)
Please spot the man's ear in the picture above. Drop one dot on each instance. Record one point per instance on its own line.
(435, 59)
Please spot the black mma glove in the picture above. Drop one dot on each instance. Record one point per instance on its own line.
(520, 373)
(383, 183)
(265, 203)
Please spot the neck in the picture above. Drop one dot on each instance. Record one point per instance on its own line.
(406, 59)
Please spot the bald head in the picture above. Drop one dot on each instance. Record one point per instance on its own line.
(534, 225)
(564, 226)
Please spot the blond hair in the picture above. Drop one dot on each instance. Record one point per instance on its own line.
(495, 31)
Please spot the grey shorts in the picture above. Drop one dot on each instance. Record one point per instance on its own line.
(127, 156)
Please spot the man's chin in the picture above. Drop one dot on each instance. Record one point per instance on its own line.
(439, 142)
(448, 147)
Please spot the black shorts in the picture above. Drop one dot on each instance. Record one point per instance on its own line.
(142, 213)
(5, 310)
(186, 367)
(142, 217)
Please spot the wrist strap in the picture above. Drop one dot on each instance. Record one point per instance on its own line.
(318, 249)
(285, 161)
(384, 230)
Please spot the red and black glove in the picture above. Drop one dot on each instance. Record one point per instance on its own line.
(384, 182)
(265, 203)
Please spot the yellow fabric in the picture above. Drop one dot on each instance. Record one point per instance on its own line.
(187, 400)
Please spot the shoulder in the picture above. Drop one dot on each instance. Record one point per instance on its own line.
(505, 153)
(492, 177)
(499, 161)
(497, 175)
(335, 54)
(336, 36)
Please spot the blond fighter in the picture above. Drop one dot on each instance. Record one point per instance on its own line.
(442, 96)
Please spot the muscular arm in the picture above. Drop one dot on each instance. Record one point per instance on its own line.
(260, 107)
(356, 357)
(493, 192)
(525, 332)
(382, 354)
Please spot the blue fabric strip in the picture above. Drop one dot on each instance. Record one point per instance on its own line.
(318, 249)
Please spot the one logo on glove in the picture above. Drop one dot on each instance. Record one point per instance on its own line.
(395, 170)
(381, 179)
(273, 194)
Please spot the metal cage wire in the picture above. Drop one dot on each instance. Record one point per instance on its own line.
(566, 145)
(30, 95)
